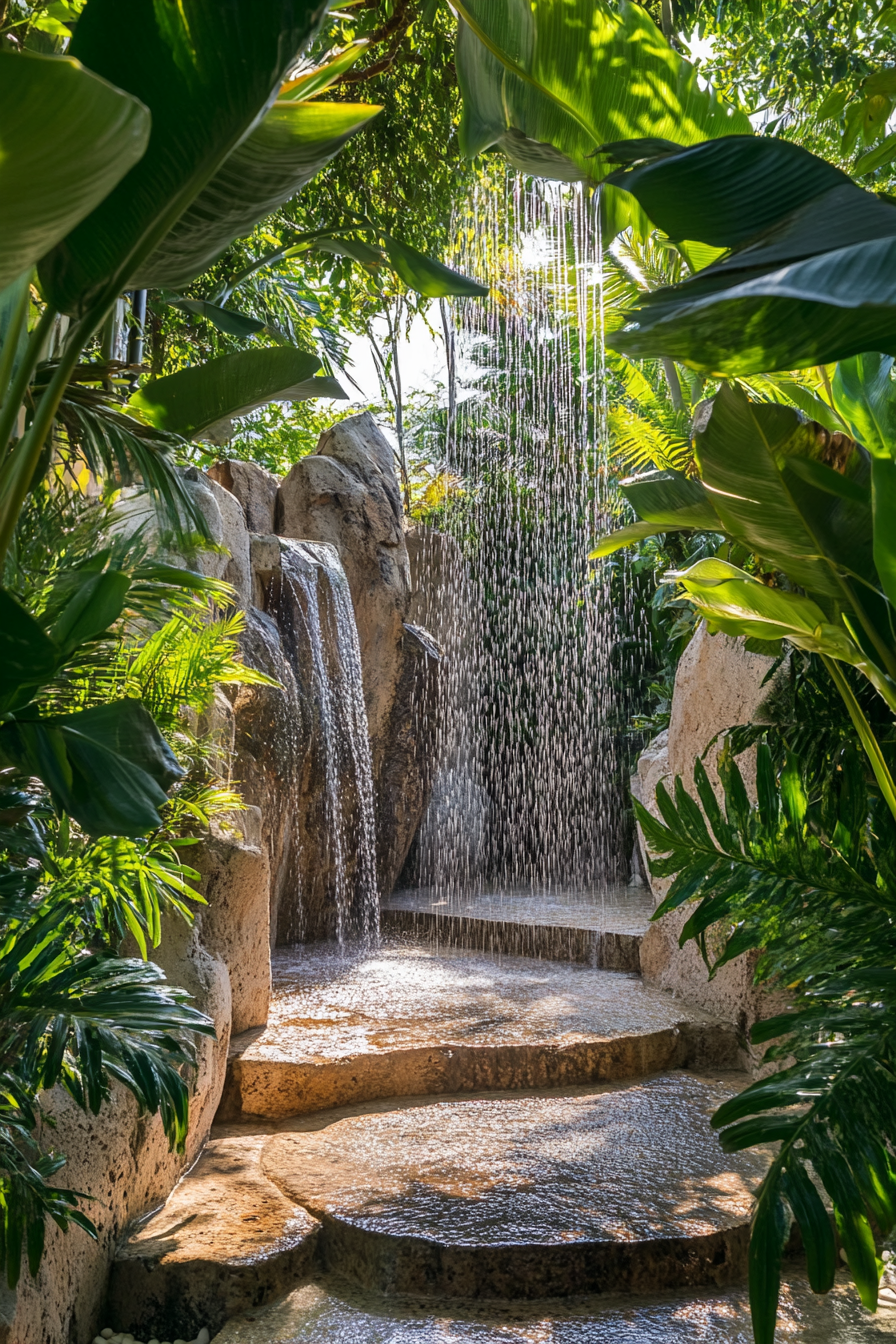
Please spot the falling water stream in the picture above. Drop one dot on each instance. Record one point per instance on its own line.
(528, 792)
(320, 595)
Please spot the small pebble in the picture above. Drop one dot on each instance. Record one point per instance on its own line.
(107, 1333)
(203, 1337)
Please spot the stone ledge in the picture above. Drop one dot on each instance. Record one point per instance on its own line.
(226, 1240)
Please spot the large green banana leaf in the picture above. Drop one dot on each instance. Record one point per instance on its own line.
(208, 70)
(190, 401)
(66, 138)
(739, 604)
(293, 143)
(810, 279)
(551, 81)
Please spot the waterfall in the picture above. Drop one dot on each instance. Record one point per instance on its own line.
(323, 640)
(529, 789)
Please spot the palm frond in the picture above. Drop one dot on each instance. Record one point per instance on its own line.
(810, 881)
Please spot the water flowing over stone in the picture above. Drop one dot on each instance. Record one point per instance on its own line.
(528, 789)
(318, 625)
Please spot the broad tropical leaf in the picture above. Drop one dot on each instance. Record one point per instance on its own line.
(809, 280)
(290, 146)
(208, 72)
(190, 401)
(66, 138)
(108, 767)
(312, 82)
(671, 498)
(429, 277)
(553, 81)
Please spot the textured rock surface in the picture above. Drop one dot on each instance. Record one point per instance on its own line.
(254, 487)
(347, 494)
(717, 686)
(123, 1160)
(235, 924)
(600, 928)
(339, 1313)
(622, 1188)
(351, 1027)
(227, 527)
(227, 1239)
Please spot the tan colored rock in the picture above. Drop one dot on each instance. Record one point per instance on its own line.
(623, 1188)
(122, 1159)
(265, 562)
(718, 685)
(235, 924)
(403, 1021)
(227, 529)
(347, 494)
(226, 1239)
(254, 487)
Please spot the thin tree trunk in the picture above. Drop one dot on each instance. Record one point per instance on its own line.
(451, 362)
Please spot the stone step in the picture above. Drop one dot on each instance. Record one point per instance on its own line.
(332, 1311)
(622, 1188)
(348, 1027)
(603, 928)
(226, 1238)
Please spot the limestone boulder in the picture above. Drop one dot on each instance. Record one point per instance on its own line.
(227, 529)
(235, 924)
(718, 685)
(254, 487)
(123, 1160)
(347, 494)
(226, 1240)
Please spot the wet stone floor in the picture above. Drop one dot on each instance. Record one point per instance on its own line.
(329, 1002)
(628, 1163)
(337, 1313)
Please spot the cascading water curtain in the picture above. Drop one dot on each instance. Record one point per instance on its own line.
(528, 790)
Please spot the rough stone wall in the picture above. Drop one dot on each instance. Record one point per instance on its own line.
(252, 868)
(347, 494)
(718, 685)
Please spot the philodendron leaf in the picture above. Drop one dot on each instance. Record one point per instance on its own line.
(108, 767)
(429, 277)
(287, 149)
(671, 498)
(551, 83)
(312, 82)
(28, 657)
(208, 71)
(724, 191)
(190, 401)
(66, 138)
(225, 319)
(627, 536)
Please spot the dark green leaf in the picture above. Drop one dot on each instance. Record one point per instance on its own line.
(207, 72)
(427, 276)
(68, 138)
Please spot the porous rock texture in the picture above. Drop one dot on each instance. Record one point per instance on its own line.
(226, 1237)
(265, 744)
(718, 685)
(122, 1160)
(347, 494)
(255, 489)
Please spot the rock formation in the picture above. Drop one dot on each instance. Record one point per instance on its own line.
(718, 685)
(268, 874)
(347, 494)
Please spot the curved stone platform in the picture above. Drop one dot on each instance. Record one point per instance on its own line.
(601, 927)
(623, 1189)
(334, 1312)
(406, 1020)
